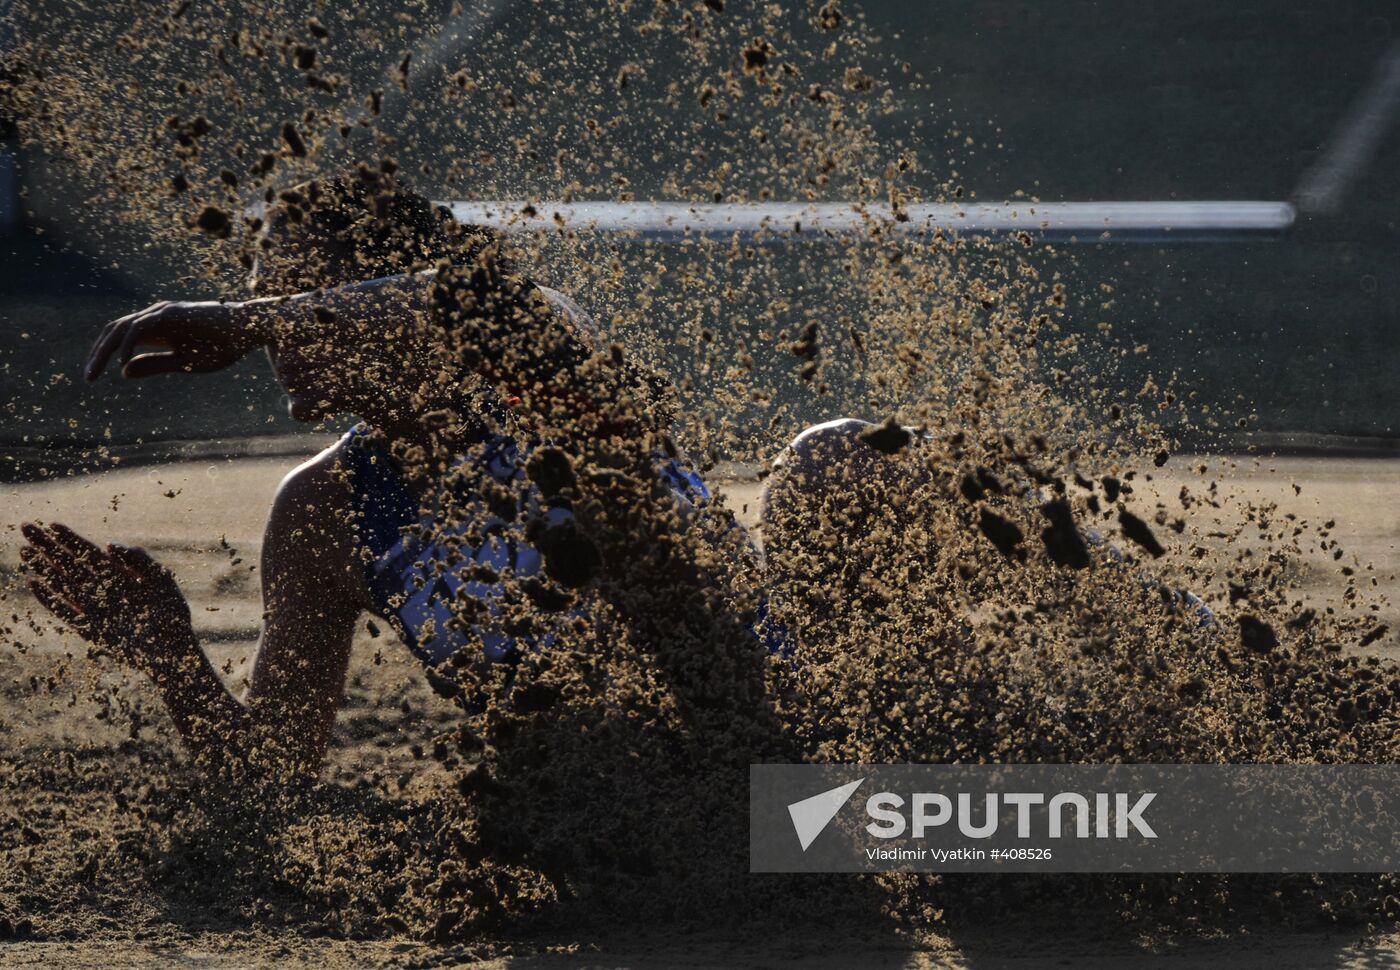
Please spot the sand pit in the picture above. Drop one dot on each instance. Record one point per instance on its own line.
(199, 517)
(67, 727)
(1009, 951)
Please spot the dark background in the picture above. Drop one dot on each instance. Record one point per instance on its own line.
(1074, 101)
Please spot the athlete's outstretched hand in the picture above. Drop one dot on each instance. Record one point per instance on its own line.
(176, 337)
(118, 598)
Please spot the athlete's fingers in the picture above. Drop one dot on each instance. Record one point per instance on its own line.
(56, 557)
(69, 560)
(57, 604)
(82, 548)
(78, 584)
(111, 337)
(36, 560)
(138, 333)
(101, 349)
(135, 560)
(151, 329)
(39, 564)
(148, 365)
(125, 558)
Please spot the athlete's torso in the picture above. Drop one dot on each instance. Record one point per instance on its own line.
(437, 562)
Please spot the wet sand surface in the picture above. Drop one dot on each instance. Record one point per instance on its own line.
(204, 519)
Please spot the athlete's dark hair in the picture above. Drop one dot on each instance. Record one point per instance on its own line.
(364, 225)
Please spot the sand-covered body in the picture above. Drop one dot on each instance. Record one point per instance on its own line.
(80, 773)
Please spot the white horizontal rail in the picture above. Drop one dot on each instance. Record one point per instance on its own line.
(1081, 222)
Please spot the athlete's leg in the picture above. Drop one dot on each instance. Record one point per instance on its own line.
(818, 506)
(823, 460)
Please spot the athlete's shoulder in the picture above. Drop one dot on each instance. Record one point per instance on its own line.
(308, 530)
(324, 468)
(314, 493)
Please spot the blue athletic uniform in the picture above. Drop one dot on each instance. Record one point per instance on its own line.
(416, 566)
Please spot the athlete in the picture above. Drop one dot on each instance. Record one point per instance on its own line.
(451, 509)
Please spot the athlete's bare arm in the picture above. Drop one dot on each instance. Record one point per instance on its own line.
(313, 592)
(205, 336)
(312, 585)
(122, 600)
(310, 333)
